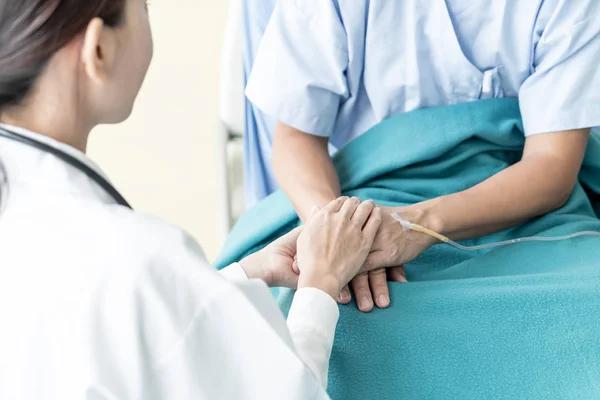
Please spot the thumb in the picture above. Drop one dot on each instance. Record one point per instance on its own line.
(288, 242)
(290, 239)
(294, 234)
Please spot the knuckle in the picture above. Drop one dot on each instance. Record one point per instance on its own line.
(360, 282)
(380, 289)
(377, 275)
(368, 204)
(361, 287)
(394, 251)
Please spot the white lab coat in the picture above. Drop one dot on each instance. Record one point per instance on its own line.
(100, 302)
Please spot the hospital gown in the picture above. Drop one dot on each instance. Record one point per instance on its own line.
(335, 68)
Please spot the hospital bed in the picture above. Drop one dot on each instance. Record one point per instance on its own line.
(231, 122)
(245, 133)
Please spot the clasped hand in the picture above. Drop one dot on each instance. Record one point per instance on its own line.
(280, 263)
(326, 253)
(392, 248)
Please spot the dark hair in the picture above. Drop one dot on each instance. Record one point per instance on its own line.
(32, 31)
(2, 184)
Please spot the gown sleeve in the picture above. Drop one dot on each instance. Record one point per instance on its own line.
(298, 76)
(563, 91)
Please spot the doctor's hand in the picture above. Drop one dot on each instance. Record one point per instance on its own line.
(335, 243)
(273, 264)
(392, 248)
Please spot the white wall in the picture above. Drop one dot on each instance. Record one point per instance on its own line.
(163, 158)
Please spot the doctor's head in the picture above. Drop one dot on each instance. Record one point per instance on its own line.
(82, 61)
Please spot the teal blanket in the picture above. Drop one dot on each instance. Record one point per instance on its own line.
(519, 322)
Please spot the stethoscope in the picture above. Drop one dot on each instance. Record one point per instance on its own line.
(93, 175)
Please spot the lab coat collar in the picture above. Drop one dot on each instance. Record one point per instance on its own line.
(30, 166)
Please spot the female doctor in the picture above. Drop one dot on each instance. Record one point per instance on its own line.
(328, 70)
(100, 302)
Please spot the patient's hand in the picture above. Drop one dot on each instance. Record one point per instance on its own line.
(392, 248)
(371, 288)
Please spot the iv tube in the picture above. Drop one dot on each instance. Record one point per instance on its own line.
(409, 226)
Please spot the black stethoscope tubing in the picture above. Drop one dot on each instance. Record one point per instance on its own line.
(93, 175)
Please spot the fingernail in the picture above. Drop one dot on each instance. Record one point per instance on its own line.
(365, 303)
(384, 301)
(345, 295)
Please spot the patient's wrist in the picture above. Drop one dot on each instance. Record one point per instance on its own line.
(319, 200)
(426, 215)
(431, 219)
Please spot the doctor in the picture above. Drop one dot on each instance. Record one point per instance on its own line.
(328, 70)
(100, 302)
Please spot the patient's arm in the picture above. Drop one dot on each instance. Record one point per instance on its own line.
(304, 169)
(540, 183)
(306, 174)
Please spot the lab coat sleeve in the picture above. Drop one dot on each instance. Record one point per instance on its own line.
(563, 91)
(237, 347)
(207, 337)
(298, 76)
(234, 272)
(311, 323)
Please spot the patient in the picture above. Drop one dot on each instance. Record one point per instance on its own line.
(330, 70)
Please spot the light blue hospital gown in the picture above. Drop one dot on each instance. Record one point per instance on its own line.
(335, 68)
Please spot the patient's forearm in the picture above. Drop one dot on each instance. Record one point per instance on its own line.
(304, 169)
(540, 183)
(507, 199)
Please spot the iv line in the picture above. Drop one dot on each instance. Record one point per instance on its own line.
(409, 226)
